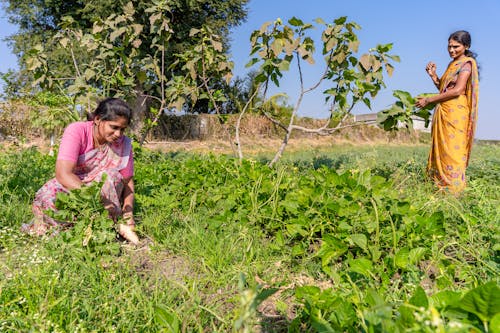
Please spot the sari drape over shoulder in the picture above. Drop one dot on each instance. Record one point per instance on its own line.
(453, 127)
(107, 159)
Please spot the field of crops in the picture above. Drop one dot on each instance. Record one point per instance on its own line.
(349, 239)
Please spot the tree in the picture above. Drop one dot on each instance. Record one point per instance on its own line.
(52, 113)
(40, 21)
(351, 80)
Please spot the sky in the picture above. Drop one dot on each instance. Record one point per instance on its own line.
(418, 30)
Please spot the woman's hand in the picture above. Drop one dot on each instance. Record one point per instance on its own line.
(128, 232)
(422, 102)
(128, 201)
(431, 69)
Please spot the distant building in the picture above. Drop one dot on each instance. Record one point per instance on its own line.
(371, 119)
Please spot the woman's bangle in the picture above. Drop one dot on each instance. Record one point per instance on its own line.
(128, 215)
(129, 218)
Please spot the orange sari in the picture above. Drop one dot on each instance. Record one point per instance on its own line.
(453, 127)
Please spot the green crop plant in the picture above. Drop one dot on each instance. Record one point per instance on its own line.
(401, 112)
(91, 227)
(353, 239)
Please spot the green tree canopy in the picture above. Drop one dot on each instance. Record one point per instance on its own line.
(39, 21)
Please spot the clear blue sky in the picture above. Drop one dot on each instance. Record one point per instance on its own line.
(418, 30)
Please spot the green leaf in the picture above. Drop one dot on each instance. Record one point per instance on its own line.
(298, 250)
(275, 80)
(321, 325)
(483, 301)
(319, 20)
(252, 62)
(262, 295)
(361, 266)
(416, 254)
(495, 323)
(295, 22)
(166, 318)
(341, 20)
(307, 291)
(405, 97)
(360, 240)
(331, 249)
(444, 299)
(419, 298)
(401, 258)
(260, 78)
(284, 65)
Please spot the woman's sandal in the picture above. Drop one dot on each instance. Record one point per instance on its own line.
(127, 232)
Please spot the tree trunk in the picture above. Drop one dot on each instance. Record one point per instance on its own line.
(140, 106)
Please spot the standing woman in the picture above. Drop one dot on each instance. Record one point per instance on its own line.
(88, 150)
(455, 115)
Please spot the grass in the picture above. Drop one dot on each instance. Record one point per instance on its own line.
(205, 221)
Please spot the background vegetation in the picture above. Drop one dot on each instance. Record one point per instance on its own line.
(345, 239)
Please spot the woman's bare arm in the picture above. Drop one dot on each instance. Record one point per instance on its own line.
(128, 198)
(65, 175)
(453, 92)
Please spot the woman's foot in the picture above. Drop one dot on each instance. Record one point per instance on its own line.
(127, 232)
(34, 228)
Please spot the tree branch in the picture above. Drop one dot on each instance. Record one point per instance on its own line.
(238, 122)
(212, 99)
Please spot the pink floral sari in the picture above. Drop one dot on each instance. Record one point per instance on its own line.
(107, 159)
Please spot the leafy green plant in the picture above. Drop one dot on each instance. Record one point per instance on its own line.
(250, 299)
(401, 113)
(323, 311)
(484, 302)
(331, 311)
(353, 236)
(92, 228)
(52, 113)
(167, 319)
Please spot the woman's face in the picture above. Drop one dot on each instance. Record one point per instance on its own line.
(110, 130)
(455, 49)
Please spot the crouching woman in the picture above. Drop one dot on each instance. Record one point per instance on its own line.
(88, 150)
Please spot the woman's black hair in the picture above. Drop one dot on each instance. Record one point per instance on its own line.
(110, 109)
(463, 37)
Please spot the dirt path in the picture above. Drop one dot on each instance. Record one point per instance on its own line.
(253, 146)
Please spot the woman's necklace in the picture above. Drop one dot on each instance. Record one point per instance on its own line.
(94, 137)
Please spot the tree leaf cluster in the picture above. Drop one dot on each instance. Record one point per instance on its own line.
(126, 35)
